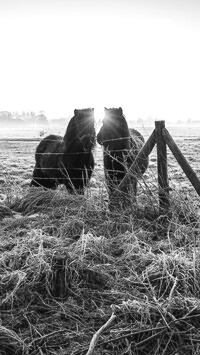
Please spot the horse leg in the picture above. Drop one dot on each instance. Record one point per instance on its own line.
(39, 180)
(50, 184)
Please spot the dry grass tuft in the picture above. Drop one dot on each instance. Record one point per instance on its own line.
(68, 265)
(40, 199)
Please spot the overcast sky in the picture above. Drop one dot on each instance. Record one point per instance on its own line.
(142, 55)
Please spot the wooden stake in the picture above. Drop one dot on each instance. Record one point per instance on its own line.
(163, 183)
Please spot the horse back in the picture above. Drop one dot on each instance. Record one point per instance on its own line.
(137, 142)
(49, 144)
(47, 150)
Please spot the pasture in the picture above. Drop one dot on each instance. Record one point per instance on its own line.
(68, 264)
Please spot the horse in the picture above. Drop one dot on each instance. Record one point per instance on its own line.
(68, 160)
(120, 148)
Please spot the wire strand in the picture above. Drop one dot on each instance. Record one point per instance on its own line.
(75, 153)
(61, 169)
(62, 140)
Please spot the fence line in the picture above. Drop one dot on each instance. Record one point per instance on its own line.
(161, 137)
(160, 134)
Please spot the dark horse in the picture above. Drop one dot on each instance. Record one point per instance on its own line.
(67, 160)
(120, 149)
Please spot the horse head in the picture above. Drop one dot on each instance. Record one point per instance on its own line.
(81, 127)
(114, 131)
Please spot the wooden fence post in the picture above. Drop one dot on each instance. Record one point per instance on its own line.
(189, 172)
(163, 183)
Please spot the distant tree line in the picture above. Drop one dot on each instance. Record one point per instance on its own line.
(29, 119)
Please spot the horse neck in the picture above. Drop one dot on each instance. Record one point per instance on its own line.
(122, 142)
(72, 145)
(71, 142)
(125, 141)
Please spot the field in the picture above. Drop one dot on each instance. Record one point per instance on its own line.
(76, 278)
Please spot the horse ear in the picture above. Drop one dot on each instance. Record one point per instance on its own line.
(120, 109)
(75, 112)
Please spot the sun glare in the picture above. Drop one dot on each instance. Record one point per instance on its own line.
(98, 115)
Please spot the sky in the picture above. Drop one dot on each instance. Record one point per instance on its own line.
(141, 55)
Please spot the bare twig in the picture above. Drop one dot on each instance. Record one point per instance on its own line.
(98, 333)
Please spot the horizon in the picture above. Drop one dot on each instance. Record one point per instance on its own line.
(140, 55)
(24, 116)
